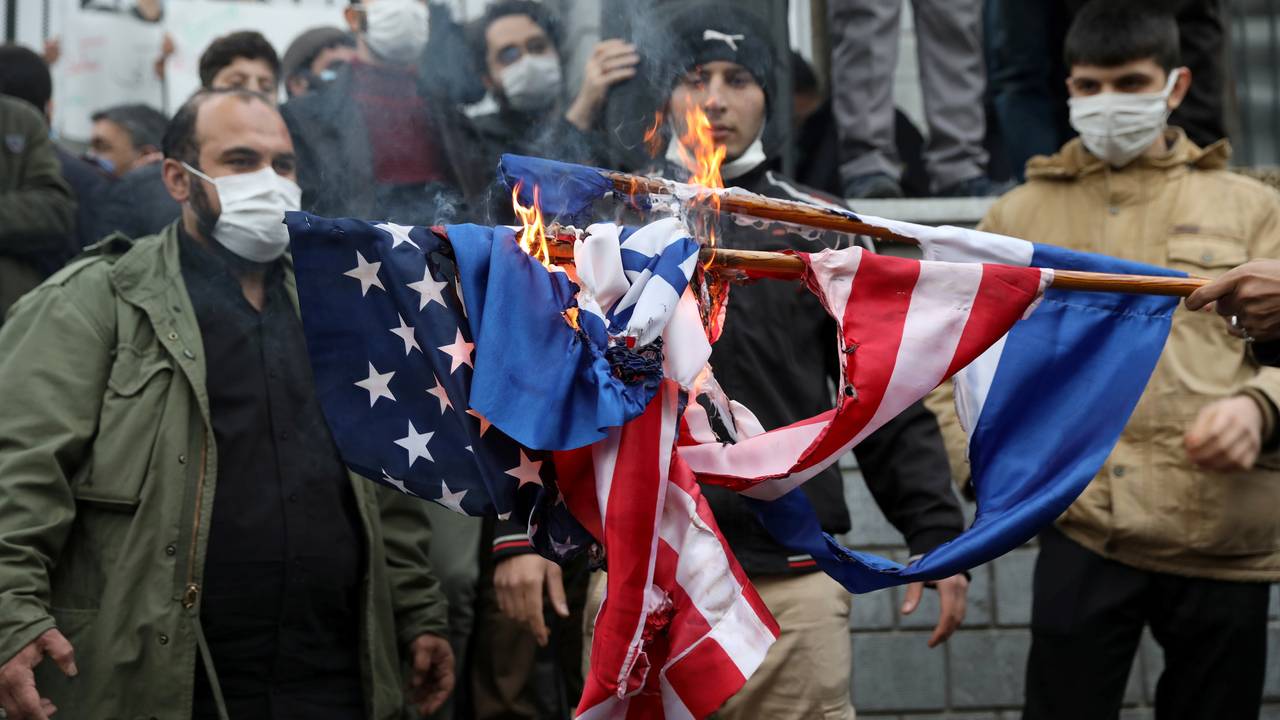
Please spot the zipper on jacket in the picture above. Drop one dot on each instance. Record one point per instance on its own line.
(192, 592)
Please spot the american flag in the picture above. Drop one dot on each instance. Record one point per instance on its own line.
(393, 357)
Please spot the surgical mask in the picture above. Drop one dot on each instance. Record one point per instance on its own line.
(396, 30)
(1118, 127)
(102, 163)
(532, 83)
(251, 223)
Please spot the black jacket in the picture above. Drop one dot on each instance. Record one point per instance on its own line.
(137, 205)
(777, 356)
(335, 162)
(86, 182)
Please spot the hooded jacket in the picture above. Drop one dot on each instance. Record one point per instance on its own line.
(1149, 507)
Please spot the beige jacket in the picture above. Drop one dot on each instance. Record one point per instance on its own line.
(1149, 507)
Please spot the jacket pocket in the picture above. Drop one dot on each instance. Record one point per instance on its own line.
(69, 693)
(1205, 255)
(1239, 514)
(128, 424)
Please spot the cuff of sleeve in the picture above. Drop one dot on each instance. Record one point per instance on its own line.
(1269, 415)
(433, 619)
(926, 539)
(23, 622)
(507, 545)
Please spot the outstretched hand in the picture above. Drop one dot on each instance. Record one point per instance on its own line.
(952, 596)
(1249, 293)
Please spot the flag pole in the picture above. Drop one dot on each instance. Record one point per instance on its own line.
(742, 202)
(751, 264)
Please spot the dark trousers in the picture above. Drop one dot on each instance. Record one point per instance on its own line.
(511, 678)
(1087, 617)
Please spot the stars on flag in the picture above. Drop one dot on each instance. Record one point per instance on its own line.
(484, 423)
(451, 500)
(405, 333)
(527, 472)
(378, 384)
(399, 234)
(439, 393)
(429, 290)
(459, 352)
(395, 483)
(367, 273)
(415, 443)
(562, 548)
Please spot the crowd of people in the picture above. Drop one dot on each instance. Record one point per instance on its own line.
(180, 538)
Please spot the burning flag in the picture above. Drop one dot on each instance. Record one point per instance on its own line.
(612, 394)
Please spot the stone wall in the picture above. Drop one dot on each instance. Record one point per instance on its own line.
(978, 673)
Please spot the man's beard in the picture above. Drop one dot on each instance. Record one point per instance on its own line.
(206, 218)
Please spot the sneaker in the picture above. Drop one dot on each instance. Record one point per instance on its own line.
(875, 185)
(980, 186)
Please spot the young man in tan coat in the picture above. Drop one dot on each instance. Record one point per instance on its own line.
(1180, 530)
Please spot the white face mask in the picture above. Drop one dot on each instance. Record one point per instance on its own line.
(251, 223)
(1118, 127)
(532, 83)
(396, 29)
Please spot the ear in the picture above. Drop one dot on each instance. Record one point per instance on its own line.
(176, 180)
(1181, 87)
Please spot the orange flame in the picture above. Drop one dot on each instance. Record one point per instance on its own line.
(653, 136)
(702, 157)
(533, 233)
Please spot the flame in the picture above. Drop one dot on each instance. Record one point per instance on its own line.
(702, 157)
(533, 233)
(653, 136)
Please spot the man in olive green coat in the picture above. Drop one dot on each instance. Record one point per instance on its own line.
(37, 210)
(159, 415)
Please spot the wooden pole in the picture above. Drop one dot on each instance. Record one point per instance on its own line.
(747, 264)
(753, 205)
(777, 265)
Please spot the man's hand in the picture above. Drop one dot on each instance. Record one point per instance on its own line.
(52, 51)
(432, 678)
(952, 593)
(166, 51)
(1226, 436)
(519, 583)
(18, 695)
(612, 62)
(1250, 293)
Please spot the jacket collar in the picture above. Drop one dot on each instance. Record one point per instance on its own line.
(1073, 161)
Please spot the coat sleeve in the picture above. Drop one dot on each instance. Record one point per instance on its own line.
(510, 538)
(39, 211)
(54, 368)
(416, 596)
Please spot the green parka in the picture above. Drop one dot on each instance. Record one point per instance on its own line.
(107, 481)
